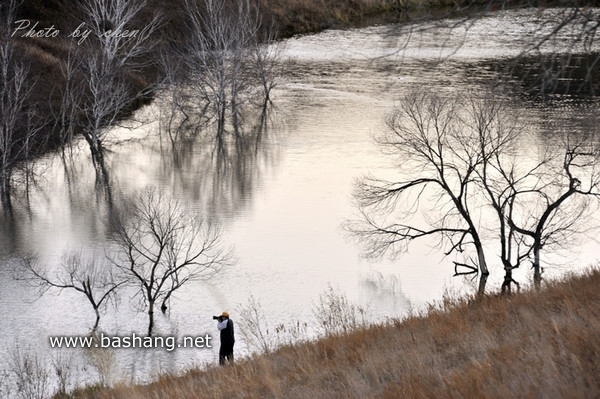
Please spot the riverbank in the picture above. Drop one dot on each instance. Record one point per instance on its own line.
(532, 344)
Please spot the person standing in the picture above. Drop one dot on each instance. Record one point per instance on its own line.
(225, 326)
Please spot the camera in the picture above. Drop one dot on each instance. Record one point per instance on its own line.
(216, 317)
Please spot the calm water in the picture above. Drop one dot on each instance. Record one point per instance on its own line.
(281, 201)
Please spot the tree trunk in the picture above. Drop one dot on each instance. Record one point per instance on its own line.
(476, 240)
(506, 284)
(221, 119)
(537, 271)
(482, 283)
(482, 263)
(5, 188)
(97, 319)
(150, 317)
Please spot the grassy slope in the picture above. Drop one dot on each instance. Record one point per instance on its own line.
(529, 345)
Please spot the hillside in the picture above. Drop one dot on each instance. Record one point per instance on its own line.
(533, 344)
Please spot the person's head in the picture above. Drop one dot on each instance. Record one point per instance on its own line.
(224, 315)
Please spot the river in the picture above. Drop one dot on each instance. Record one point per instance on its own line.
(281, 204)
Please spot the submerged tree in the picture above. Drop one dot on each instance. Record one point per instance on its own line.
(19, 124)
(228, 57)
(551, 198)
(425, 133)
(539, 199)
(161, 247)
(497, 135)
(109, 58)
(65, 118)
(268, 61)
(461, 157)
(92, 278)
(215, 52)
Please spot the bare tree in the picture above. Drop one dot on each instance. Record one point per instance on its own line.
(551, 197)
(268, 60)
(424, 132)
(112, 54)
(221, 56)
(161, 247)
(92, 278)
(487, 118)
(16, 140)
(180, 117)
(461, 156)
(538, 200)
(66, 117)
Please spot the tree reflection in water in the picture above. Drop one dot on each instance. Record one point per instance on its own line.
(218, 167)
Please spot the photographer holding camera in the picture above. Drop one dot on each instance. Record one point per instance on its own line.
(225, 325)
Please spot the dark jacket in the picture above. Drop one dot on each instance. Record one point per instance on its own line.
(227, 336)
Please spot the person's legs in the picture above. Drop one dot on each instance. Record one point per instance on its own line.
(230, 354)
(222, 354)
(225, 353)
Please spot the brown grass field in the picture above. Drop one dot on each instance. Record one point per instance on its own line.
(542, 344)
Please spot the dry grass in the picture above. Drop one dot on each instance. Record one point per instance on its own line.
(542, 345)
